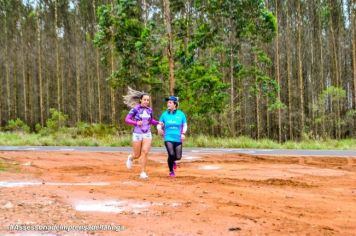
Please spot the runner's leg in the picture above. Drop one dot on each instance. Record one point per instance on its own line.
(178, 150)
(146, 146)
(171, 154)
(136, 148)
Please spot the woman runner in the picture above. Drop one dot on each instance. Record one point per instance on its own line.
(175, 126)
(141, 117)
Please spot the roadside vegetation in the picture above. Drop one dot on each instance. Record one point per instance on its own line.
(57, 133)
(70, 137)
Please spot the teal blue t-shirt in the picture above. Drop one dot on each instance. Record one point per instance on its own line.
(173, 125)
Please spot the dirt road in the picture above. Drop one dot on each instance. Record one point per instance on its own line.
(213, 194)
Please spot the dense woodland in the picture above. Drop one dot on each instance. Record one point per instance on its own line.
(280, 69)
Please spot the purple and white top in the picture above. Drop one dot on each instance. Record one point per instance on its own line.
(144, 114)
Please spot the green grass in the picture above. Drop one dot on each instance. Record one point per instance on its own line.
(9, 166)
(2, 166)
(70, 138)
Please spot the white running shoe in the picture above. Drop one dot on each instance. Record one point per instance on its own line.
(143, 175)
(129, 162)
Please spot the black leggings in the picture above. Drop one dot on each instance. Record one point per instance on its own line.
(174, 150)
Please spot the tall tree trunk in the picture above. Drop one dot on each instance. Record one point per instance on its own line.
(78, 85)
(311, 66)
(78, 88)
(39, 64)
(112, 91)
(46, 82)
(268, 119)
(300, 69)
(232, 94)
(98, 86)
(31, 102)
(97, 68)
(336, 70)
(258, 96)
(62, 82)
(188, 15)
(78, 75)
(23, 73)
(15, 91)
(321, 63)
(170, 50)
(353, 38)
(278, 76)
(258, 119)
(289, 73)
(232, 84)
(90, 99)
(353, 42)
(311, 75)
(89, 78)
(7, 68)
(145, 12)
(58, 76)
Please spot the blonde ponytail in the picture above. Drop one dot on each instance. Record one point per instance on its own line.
(132, 98)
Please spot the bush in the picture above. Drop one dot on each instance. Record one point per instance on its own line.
(90, 130)
(17, 126)
(56, 121)
(38, 128)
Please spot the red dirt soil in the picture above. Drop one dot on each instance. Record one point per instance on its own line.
(213, 194)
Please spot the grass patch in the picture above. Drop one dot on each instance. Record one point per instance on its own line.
(9, 166)
(3, 166)
(70, 137)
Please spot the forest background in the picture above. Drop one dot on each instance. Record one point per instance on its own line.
(273, 69)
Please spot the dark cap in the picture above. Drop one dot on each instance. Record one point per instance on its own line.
(172, 98)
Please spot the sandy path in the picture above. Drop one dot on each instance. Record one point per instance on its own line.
(212, 194)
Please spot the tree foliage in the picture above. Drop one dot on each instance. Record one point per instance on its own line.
(238, 68)
(122, 31)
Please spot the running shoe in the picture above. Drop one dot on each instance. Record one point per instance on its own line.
(172, 174)
(129, 162)
(143, 175)
(174, 165)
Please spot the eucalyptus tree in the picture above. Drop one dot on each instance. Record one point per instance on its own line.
(10, 15)
(252, 25)
(277, 72)
(212, 31)
(170, 48)
(97, 69)
(39, 21)
(196, 30)
(352, 8)
(125, 29)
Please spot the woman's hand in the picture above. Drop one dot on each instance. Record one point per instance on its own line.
(139, 123)
(182, 136)
(160, 128)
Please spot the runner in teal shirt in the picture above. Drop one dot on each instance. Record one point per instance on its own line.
(174, 128)
(173, 125)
